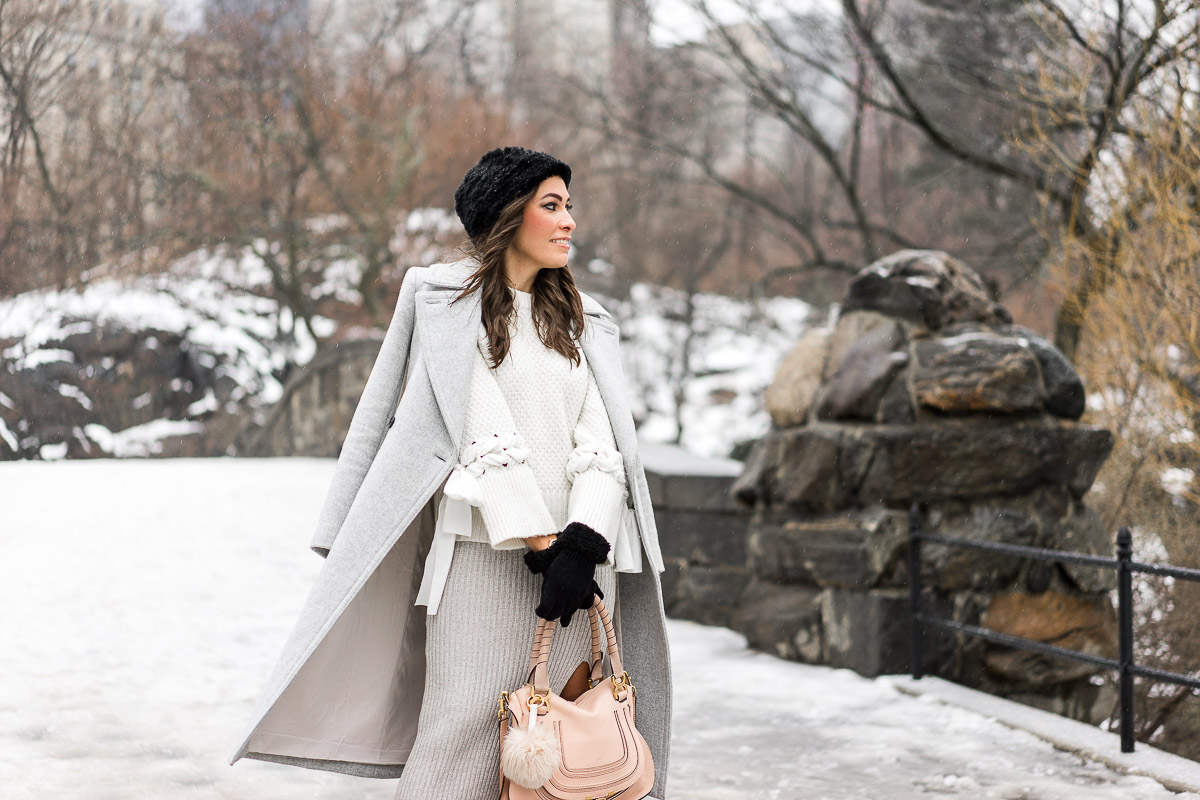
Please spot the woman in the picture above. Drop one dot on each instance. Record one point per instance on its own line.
(512, 423)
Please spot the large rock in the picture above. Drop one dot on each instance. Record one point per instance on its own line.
(897, 407)
(706, 593)
(863, 376)
(924, 287)
(853, 549)
(81, 391)
(701, 537)
(781, 619)
(866, 631)
(1064, 389)
(1083, 531)
(756, 481)
(1081, 699)
(798, 378)
(806, 475)
(977, 371)
(960, 568)
(1086, 623)
(313, 416)
(854, 326)
(937, 462)
(823, 467)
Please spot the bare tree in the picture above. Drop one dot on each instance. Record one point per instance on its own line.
(902, 123)
(1112, 56)
(307, 149)
(75, 89)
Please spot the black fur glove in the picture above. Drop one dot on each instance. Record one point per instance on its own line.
(539, 560)
(569, 584)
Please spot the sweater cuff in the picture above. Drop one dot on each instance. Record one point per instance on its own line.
(596, 500)
(512, 507)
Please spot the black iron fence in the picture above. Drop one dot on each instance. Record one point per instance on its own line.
(1123, 563)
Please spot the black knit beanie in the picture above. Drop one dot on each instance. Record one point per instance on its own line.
(500, 176)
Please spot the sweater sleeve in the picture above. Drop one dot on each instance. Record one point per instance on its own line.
(492, 471)
(596, 470)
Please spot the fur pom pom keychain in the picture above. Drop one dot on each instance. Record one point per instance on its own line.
(531, 755)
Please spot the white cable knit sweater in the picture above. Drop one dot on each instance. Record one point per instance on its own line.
(537, 453)
(537, 445)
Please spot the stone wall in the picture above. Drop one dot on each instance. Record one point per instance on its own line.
(702, 530)
(925, 392)
(318, 402)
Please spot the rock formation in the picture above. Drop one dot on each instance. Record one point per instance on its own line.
(95, 389)
(924, 391)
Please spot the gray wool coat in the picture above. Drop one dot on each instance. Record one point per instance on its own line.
(346, 691)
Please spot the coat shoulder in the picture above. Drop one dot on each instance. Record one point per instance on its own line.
(450, 274)
(417, 275)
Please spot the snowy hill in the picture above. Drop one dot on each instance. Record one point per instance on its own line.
(176, 363)
(130, 366)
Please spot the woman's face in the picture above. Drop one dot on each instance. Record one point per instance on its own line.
(544, 238)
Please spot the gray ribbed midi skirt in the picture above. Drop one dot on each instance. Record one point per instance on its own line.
(477, 645)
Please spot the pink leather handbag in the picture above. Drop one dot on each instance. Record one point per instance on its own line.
(585, 748)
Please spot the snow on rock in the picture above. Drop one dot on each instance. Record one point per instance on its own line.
(7, 436)
(141, 440)
(146, 614)
(175, 347)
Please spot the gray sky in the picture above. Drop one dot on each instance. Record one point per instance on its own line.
(676, 21)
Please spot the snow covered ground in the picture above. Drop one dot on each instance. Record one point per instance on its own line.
(144, 603)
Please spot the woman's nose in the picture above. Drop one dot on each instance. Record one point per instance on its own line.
(568, 223)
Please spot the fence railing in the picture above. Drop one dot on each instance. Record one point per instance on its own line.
(1123, 563)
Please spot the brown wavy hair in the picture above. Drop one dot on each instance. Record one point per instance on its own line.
(557, 308)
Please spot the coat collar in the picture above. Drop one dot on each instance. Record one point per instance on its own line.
(448, 334)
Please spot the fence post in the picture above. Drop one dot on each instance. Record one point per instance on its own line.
(915, 655)
(1125, 635)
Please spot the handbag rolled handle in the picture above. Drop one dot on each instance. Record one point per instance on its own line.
(596, 664)
(539, 658)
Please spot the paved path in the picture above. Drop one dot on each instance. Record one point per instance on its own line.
(144, 603)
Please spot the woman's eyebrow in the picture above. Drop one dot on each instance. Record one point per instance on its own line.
(552, 194)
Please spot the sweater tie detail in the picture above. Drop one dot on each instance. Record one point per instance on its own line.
(500, 450)
(604, 459)
(453, 520)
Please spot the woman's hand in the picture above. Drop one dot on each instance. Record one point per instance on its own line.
(541, 542)
(569, 569)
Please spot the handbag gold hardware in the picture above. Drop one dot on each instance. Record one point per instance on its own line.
(542, 700)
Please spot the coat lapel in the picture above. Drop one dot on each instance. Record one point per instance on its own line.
(599, 343)
(448, 334)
